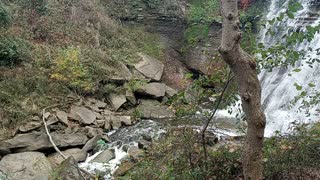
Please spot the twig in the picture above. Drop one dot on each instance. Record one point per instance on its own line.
(54, 145)
(211, 117)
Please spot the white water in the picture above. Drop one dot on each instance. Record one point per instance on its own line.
(278, 89)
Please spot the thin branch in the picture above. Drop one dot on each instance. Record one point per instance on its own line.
(212, 116)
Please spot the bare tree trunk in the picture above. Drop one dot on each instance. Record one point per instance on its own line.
(244, 69)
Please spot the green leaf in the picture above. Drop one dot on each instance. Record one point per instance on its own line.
(298, 87)
(311, 85)
(297, 70)
(290, 15)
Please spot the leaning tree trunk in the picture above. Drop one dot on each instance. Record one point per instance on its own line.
(244, 68)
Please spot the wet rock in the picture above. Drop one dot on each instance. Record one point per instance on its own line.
(68, 170)
(79, 155)
(92, 143)
(150, 67)
(152, 109)
(82, 114)
(170, 92)
(63, 117)
(123, 169)
(153, 89)
(32, 125)
(105, 156)
(27, 165)
(40, 141)
(131, 97)
(117, 100)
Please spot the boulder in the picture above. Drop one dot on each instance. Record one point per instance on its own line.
(153, 89)
(32, 125)
(117, 100)
(63, 117)
(27, 165)
(152, 109)
(40, 141)
(105, 156)
(82, 114)
(150, 67)
(68, 170)
(78, 154)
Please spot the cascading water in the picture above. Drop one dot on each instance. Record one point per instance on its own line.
(278, 90)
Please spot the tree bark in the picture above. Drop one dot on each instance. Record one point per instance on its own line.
(244, 68)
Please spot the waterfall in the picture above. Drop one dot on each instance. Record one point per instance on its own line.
(278, 90)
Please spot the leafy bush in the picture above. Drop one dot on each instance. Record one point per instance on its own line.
(70, 70)
(12, 51)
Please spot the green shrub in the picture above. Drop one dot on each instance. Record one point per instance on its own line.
(5, 17)
(291, 155)
(13, 51)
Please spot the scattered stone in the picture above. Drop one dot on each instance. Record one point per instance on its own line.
(101, 123)
(135, 153)
(126, 120)
(104, 156)
(117, 100)
(123, 169)
(78, 154)
(152, 109)
(27, 165)
(63, 117)
(170, 92)
(98, 103)
(92, 143)
(153, 89)
(115, 122)
(150, 67)
(68, 170)
(32, 125)
(107, 123)
(82, 114)
(40, 141)
(90, 131)
(46, 115)
(131, 97)
(52, 120)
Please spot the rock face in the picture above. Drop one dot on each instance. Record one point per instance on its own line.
(105, 156)
(150, 67)
(153, 89)
(68, 170)
(82, 115)
(40, 141)
(78, 154)
(32, 125)
(27, 165)
(152, 109)
(117, 100)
